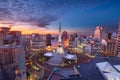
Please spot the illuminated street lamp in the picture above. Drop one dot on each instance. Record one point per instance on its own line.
(78, 66)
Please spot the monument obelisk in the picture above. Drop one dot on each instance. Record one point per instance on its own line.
(60, 49)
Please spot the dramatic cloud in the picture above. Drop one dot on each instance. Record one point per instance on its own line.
(32, 11)
(37, 12)
(74, 13)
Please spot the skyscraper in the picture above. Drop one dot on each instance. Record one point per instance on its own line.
(64, 35)
(65, 39)
(12, 55)
(118, 40)
(109, 35)
(76, 42)
(97, 33)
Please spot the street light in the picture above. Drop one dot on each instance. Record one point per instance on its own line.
(78, 66)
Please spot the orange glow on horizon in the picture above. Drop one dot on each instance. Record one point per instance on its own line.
(25, 28)
(35, 31)
(30, 31)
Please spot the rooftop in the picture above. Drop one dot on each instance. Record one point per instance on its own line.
(90, 72)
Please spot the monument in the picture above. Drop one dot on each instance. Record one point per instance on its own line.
(57, 58)
(60, 49)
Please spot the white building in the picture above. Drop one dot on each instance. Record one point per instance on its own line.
(97, 33)
(108, 71)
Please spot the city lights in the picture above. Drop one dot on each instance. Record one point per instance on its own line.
(59, 40)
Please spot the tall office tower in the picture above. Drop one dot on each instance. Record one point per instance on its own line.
(65, 39)
(9, 37)
(12, 55)
(64, 35)
(76, 42)
(60, 49)
(48, 39)
(97, 33)
(118, 41)
(109, 35)
(108, 45)
(27, 44)
(75, 39)
(12, 60)
(35, 37)
(3, 32)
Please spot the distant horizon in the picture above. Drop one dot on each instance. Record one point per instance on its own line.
(45, 15)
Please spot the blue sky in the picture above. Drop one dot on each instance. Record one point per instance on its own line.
(75, 15)
(90, 15)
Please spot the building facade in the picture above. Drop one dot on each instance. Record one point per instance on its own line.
(97, 33)
(48, 39)
(118, 41)
(12, 55)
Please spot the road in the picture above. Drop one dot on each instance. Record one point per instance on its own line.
(42, 69)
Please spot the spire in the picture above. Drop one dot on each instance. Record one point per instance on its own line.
(59, 27)
(60, 40)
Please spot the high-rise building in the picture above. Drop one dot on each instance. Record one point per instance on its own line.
(73, 40)
(65, 39)
(118, 41)
(109, 47)
(48, 39)
(64, 35)
(76, 42)
(38, 41)
(9, 37)
(87, 48)
(97, 33)
(109, 36)
(35, 37)
(3, 33)
(12, 55)
(13, 58)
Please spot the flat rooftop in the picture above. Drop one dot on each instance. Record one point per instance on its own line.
(90, 72)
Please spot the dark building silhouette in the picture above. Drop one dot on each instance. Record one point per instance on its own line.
(64, 35)
(109, 35)
(48, 39)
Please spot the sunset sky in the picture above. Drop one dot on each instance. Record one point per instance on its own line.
(43, 16)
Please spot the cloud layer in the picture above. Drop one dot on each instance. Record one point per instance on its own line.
(75, 13)
(36, 12)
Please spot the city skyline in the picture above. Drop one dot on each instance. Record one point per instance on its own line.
(44, 16)
(59, 40)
